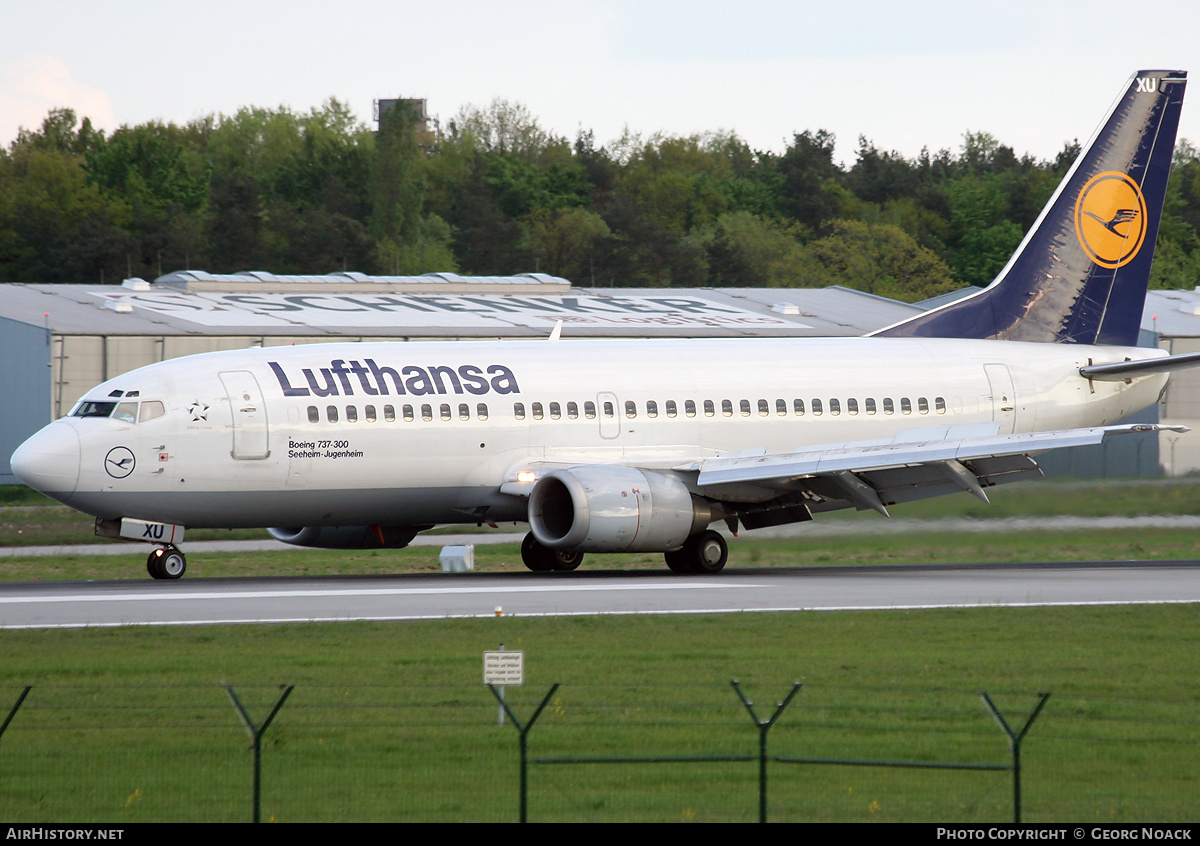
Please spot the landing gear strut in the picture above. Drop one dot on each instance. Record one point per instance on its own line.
(166, 562)
(542, 559)
(705, 552)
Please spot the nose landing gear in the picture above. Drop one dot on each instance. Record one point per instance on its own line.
(166, 562)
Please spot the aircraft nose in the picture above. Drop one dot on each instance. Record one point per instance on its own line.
(49, 461)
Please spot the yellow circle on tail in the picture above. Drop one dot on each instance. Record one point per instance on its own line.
(1110, 219)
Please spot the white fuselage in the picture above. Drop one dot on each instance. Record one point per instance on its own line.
(322, 434)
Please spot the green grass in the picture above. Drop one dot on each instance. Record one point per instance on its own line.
(898, 548)
(390, 721)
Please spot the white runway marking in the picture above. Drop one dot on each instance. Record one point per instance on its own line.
(158, 596)
(398, 618)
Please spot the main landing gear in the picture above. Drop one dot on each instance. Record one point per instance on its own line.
(166, 562)
(542, 559)
(703, 553)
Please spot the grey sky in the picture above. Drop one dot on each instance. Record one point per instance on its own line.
(905, 75)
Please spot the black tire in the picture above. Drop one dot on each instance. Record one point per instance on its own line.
(166, 563)
(679, 562)
(535, 556)
(706, 552)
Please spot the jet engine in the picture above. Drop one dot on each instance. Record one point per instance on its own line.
(614, 509)
(348, 537)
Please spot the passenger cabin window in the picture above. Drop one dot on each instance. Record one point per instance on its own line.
(816, 407)
(798, 407)
(689, 408)
(781, 407)
(572, 411)
(464, 411)
(389, 414)
(609, 411)
(314, 416)
(589, 410)
(922, 405)
(763, 408)
(940, 405)
(481, 411)
(835, 406)
(651, 408)
(519, 410)
(630, 408)
(407, 411)
(852, 406)
(426, 412)
(369, 413)
(538, 412)
(351, 414)
(672, 411)
(727, 408)
(905, 405)
(744, 405)
(445, 412)
(709, 408)
(870, 403)
(888, 407)
(331, 413)
(555, 411)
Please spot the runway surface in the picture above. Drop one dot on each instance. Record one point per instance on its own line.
(424, 597)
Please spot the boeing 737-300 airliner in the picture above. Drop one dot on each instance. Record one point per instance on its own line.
(641, 445)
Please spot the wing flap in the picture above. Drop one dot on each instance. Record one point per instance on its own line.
(894, 466)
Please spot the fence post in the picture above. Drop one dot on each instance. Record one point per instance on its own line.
(256, 733)
(13, 711)
(1014, 743)
(763, 727)
(523, 745)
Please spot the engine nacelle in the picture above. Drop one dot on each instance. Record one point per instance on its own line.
(614, 509)
(348, 537)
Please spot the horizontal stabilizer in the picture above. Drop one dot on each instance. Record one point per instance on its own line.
(1122, 370)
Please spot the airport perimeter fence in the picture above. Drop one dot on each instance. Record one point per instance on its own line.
(439, 753)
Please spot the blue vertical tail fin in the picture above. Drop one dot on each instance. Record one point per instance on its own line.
(1081, 273)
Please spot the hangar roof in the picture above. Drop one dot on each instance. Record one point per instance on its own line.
(356, 308)
(1173, 314)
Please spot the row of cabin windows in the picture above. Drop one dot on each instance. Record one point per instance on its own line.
(671, 409)
(554, 410)
(407, 412)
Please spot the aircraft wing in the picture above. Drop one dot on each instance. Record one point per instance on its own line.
(874, 474)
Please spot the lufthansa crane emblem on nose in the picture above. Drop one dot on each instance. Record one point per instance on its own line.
(119, 462)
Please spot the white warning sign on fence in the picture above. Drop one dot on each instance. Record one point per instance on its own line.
(507, 667)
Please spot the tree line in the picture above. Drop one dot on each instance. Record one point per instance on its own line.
(492, 192)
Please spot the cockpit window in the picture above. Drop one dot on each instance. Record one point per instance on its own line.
(126, 412)
(90, 408)
(150, 410)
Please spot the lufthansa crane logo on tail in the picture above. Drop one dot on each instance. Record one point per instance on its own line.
(1110, 219)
